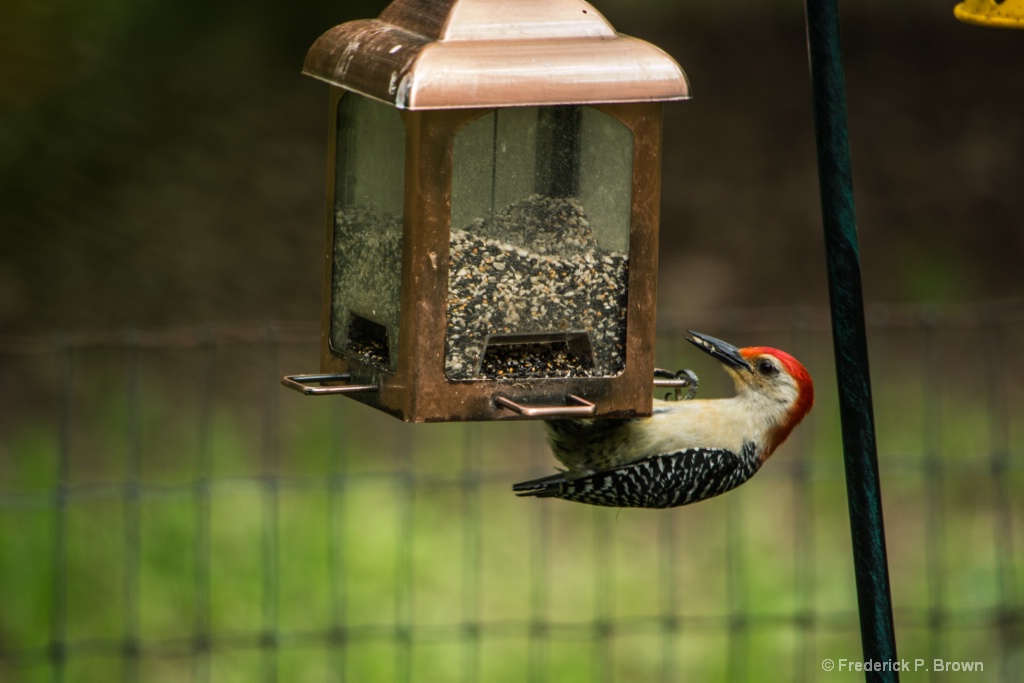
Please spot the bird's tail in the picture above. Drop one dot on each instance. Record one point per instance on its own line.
(545, 487)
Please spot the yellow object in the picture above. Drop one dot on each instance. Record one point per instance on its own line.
(999, 13)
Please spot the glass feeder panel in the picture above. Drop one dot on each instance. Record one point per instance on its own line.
(538, 269)
(366, 272)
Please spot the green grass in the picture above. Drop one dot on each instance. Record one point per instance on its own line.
(318, 517)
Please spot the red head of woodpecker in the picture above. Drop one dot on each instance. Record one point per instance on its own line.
(686, 451)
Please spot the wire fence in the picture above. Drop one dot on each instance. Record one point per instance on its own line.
(169, 512)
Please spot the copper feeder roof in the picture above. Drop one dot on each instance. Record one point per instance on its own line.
(447, 54)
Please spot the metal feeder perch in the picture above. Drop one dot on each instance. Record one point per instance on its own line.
(492, 225)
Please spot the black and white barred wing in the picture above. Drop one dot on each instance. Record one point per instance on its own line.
(660, 481)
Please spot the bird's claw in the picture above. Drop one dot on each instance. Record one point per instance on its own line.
(679, 380)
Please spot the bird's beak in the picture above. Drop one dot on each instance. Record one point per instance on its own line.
(719, 350)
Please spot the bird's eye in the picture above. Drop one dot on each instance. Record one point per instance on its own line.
(766, 367)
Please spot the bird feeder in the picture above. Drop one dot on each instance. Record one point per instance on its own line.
(492, 211)
(997, 13)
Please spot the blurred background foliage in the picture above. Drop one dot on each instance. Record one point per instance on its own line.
(163, 161)
(169, 513)
(162, 165)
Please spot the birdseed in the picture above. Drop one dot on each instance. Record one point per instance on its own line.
(535, 268)
(534, 361)
(366, 280)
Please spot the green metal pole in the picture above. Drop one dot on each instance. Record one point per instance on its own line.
(850, 338)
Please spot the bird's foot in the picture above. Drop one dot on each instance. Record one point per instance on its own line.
(677, 381)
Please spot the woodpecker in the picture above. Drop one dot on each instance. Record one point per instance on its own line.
(688, 450)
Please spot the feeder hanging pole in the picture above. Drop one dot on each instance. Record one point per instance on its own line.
(849, 336)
